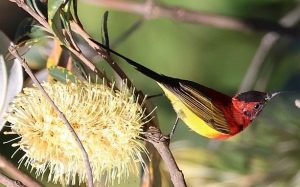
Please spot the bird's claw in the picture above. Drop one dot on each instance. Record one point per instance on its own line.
(155, 135)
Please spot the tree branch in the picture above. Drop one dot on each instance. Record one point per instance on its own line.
(14, 52)
(6, 181)
(152, 11)
(14, 172)
(161, 144)
(267, 42)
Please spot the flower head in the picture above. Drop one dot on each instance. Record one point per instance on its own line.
(108, 123)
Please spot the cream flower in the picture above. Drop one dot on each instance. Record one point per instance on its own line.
(108, 122)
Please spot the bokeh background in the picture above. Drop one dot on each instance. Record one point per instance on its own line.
(265, 154)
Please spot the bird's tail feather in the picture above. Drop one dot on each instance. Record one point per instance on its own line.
(146, 71)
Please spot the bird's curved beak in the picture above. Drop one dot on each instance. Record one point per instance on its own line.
(270, 96)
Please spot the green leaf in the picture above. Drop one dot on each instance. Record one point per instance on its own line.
(29, 28)
(53, 8)
(105, 37)
(54, 18)
(61, 74)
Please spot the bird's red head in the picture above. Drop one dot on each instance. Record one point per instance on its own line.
(247, 106)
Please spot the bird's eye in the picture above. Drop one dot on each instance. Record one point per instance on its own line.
(256, 106)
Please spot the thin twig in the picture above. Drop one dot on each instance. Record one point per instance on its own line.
(36, 16)
(14, 52)
(267, 42)
(102, 52)
(6, 181)
(15, 173)
(152, 11)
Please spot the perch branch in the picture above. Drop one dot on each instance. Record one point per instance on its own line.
(15, 173)
(6, 181)
(161, 144)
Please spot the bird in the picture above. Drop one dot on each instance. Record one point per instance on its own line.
(206, 111)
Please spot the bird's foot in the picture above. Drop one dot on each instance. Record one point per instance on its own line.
(154, 134)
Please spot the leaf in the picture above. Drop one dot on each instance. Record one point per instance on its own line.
(53, 8)
(105, 37)
(8, 73)
(25, 46)
(15, 79)
(5, 42)
(3, 82)
(54, 18)
(14, 86)
(24, 29)
(75, 3)
(61, 74)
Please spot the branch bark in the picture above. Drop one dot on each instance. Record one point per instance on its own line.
(153, 11)
(161, 144)
(6, 181)
(14, 172)
(266, 44)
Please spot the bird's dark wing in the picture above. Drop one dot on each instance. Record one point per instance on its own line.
(201, 105)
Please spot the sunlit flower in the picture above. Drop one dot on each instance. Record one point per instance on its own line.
(108, 122)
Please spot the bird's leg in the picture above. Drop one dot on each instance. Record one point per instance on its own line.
(174, 128)
(155, 95)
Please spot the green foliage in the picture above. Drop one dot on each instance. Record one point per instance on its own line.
(61, 74)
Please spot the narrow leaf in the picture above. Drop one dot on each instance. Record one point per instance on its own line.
(61, 74)
(105, 36)
(14, 86)
(55, 19)
(53, 8)
(3, 83)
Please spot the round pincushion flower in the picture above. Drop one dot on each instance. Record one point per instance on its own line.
(108, 123)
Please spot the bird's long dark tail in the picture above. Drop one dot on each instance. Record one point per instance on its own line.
(146, 71)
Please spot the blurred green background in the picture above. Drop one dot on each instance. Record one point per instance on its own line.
(265, 154)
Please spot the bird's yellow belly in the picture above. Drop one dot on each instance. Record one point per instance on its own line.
(190, 118)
